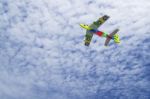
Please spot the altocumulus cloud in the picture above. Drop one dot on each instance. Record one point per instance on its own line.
(42, 55)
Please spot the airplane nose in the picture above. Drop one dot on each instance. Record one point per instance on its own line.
(82, 25)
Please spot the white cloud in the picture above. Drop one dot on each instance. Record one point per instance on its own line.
(42, 55)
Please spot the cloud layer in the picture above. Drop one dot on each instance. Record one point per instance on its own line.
(42, 55)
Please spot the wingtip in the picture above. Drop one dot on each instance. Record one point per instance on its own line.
(106, 17)
(106, 46)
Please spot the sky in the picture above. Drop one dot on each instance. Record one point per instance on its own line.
(42, 52)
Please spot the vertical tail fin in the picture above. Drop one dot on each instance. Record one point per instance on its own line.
(110, 36)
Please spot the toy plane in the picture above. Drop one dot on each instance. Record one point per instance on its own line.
(93, 29)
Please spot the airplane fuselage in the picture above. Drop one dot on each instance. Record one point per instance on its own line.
(94, 31)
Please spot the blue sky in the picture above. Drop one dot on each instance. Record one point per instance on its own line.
(42, 53)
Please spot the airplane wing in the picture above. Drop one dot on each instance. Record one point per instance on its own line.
(88, 38)
(99, 22)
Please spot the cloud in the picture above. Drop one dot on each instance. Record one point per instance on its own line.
(42, 55)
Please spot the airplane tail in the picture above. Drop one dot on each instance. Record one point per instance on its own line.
(113, 36)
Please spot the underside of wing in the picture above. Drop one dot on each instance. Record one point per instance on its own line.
(88, 38)
(99, 22)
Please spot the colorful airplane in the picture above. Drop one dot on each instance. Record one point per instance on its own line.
(93, 29)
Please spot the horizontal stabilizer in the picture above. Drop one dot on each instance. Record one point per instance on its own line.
(110, 36)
